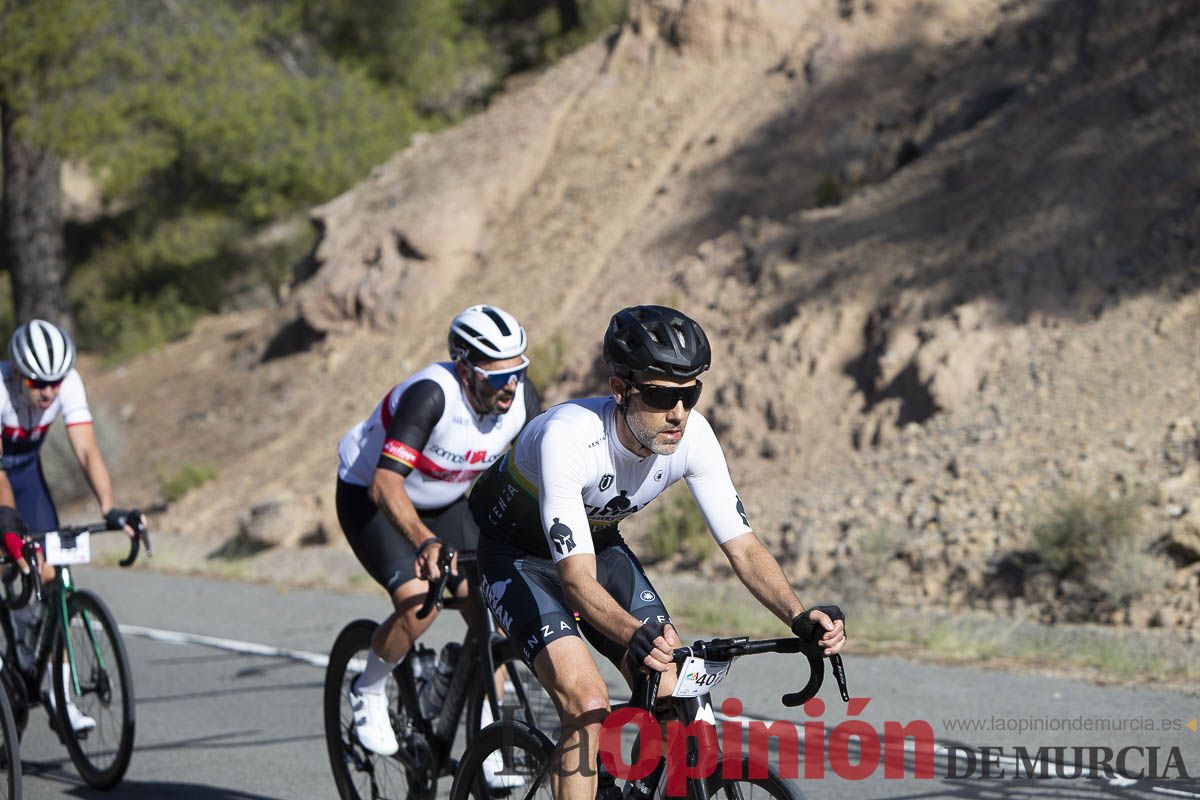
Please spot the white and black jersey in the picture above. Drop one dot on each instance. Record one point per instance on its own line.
(568, 481)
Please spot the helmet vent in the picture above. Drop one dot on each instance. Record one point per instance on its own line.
(499, 320)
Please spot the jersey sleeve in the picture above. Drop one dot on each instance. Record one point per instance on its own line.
(417, 413)
(561, 480)
(533, 402)
(75, 409)
(707, 476)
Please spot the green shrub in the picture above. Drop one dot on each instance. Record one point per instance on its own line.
(828, 193)
(189, 476)
(1091, 539)
(678, 529)
(1079, 528)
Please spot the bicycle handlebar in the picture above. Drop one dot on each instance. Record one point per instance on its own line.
(31, 584)
(727, 649)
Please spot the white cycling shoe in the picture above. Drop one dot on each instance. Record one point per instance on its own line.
(496, 776)
(372, 724)
(79, 721)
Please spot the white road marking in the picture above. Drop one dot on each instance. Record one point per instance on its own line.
(232, 645)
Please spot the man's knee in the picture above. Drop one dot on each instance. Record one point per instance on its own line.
(407, 599)
(585, 704)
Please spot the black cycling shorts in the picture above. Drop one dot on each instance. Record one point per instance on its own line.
(525, 595)
(385, 552)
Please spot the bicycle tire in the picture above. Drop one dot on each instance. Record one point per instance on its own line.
(106, 691)
(525, 752)
(522, 692)
(357, 772)
(13, 687)
(720, 788)
(10, 750)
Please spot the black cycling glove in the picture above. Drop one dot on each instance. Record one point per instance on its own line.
(116, 518)
(805, 628)
(642, 644)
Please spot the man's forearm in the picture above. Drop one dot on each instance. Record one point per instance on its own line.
(99, 480)
(392, 499)
(599, 609)
(6, 492)
(404, 517)
(760, 572)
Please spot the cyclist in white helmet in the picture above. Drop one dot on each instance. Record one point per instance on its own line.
(403, 476)
(38, 384)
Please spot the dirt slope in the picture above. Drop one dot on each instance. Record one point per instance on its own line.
(997, 297)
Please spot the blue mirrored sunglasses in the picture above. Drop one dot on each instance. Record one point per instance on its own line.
(499, 378)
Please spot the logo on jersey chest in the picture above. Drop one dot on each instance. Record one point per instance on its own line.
(605, 482)
(469, 457)
(615, 509)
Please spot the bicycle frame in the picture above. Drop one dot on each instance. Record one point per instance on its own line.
(48, 631)
(439, 733)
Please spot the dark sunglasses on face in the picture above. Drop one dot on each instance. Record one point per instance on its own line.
(36, 384)
(497, 379)
(664, 398)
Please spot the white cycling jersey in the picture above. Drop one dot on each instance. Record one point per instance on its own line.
(454, 444)
(569, 478)
(24, 425)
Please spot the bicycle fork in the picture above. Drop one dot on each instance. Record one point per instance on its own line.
(68, 588)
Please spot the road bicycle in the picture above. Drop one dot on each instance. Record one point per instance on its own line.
(489, 678)
(526, 752)
(77, 630)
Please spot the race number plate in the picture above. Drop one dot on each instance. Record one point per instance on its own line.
(56, 553)
(698, 676)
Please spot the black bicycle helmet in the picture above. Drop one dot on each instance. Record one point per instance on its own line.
(657, 341)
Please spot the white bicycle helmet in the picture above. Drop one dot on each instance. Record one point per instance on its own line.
(42, 351)
(486, 333)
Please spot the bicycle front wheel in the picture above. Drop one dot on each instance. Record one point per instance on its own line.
(359, 773)
(505, 760)
(100, 686)
(769, 785)
(521, 696)
(10, 752)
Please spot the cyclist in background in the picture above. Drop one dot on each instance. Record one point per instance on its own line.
(38, 384)
(403, 476)
(548, 514)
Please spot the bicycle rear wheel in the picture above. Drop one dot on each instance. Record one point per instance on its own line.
(518, 757)
(104, 691)
(359, 773)
(10, 752)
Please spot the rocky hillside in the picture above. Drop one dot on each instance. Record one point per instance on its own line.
(947, 252)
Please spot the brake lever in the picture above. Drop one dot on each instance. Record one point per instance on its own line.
(30, 551)
(839, 672)
(434, 597)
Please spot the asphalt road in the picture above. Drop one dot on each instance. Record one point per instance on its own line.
(215, 723)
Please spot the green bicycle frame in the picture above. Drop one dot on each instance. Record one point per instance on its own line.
(68, 588)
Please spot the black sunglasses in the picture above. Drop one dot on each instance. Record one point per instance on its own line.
(664, 398)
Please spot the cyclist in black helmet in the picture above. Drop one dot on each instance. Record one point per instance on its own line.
(548, 514)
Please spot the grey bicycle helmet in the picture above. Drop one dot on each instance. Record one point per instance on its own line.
(657, 341)
(42, 351)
